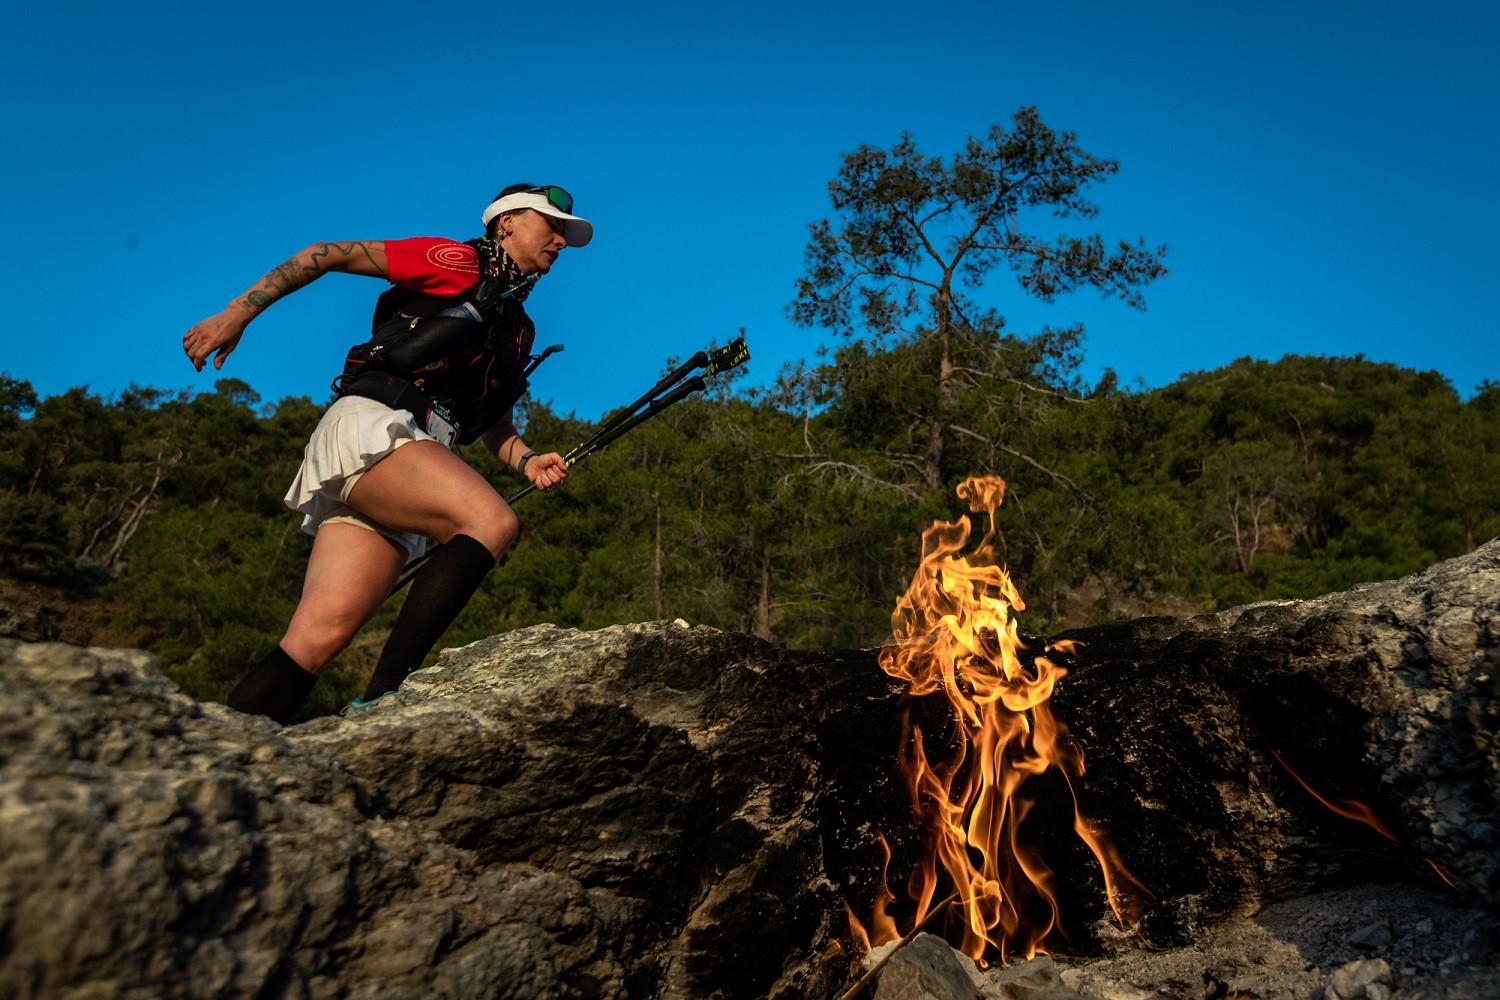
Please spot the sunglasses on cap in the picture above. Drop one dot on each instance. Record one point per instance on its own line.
(556, 197)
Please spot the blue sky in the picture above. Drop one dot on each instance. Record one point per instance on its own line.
(1323, 174)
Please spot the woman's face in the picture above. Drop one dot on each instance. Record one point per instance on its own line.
(534, 242)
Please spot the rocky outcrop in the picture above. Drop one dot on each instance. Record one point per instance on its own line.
(1386, 694)
(635, 812)
(680, 771)
(662, 810)
(152, 846)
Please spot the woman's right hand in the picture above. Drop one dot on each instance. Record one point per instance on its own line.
(218, 336)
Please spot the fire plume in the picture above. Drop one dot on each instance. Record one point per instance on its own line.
(953, 634)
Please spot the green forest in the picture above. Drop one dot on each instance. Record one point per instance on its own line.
(794, 510)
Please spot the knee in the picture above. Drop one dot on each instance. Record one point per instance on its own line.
(495, 527)
(315, 639)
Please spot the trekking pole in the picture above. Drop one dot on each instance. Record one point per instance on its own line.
(670, 379)
(627, 419)
(594, 443)
(729, 356)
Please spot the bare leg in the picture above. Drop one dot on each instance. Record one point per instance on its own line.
(425, 488)
(349, 575)
(420, 487)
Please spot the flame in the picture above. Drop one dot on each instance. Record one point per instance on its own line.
(953, 633)
(1353, 809)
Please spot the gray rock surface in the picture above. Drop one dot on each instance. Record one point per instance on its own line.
(152, 846)
(1441, 947)
(634, 812)
(1033, 979)
(679, 770)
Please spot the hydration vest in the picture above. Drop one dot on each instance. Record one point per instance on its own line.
(457, 360)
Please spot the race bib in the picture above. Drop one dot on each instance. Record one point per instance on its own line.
(441, 426)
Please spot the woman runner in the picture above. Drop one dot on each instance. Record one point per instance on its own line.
(379, 477)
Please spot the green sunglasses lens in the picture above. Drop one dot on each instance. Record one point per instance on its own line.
(559, 198)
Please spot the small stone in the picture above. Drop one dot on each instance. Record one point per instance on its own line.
(1098, 987)
(1372, 937)
(1041, 970)
(1351, 981)
(926, 968)
(1423, 926)
(1032, 979)
(877, 954)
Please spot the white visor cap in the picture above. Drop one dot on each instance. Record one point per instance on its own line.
(577, 231)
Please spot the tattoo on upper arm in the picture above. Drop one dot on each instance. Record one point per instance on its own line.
(292, 273)
(350, 249)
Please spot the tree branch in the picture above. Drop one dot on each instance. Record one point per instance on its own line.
(931, 250)
(1023, 384)
(1057, 477)
(861, 474)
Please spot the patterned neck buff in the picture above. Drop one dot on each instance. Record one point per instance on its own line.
(504, 274)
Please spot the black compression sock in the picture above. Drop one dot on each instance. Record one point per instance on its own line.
(439, 592)
(276, 686)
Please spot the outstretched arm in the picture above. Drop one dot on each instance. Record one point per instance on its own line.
(220, 333)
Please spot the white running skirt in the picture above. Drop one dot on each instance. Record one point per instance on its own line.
(353, 435)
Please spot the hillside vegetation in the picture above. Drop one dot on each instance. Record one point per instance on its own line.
(1258, 480)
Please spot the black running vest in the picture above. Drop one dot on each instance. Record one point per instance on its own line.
(455, 356)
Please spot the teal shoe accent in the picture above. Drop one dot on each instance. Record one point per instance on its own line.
(359, 706)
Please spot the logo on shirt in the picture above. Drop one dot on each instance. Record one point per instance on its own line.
(453, 257)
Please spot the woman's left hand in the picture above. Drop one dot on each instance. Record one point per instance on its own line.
(546, 471)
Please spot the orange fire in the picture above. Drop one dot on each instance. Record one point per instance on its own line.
(952, 633)
(1354, 809)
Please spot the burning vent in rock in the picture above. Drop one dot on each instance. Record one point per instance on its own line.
(954, 639)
